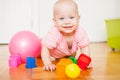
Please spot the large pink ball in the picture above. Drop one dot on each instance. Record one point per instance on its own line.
(25, 43)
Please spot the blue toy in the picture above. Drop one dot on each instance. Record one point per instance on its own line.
(30, 62)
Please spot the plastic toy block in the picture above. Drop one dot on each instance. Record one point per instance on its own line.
(83, 61)
(14, 60)
(30, 62)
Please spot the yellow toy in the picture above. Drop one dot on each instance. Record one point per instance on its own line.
(72, 70)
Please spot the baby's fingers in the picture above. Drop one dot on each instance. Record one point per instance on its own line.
(46, 68)
(49, 67)
(52, 68)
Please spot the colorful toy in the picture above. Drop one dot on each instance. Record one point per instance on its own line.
(61, 65)
(64, 61)
(30, 62)
(74, 60)
(25, 43)
(14, 61)
(72, 70)
(83, 61)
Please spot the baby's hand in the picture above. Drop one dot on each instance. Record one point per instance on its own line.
(49, 67)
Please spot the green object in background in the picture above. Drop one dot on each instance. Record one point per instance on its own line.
(74, 60)
(113, 33)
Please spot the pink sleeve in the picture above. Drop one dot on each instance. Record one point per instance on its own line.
(83, 39)
(51, 39)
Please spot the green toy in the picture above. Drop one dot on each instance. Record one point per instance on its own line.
(113, 33)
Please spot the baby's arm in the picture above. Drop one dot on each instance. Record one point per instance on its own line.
(46, 59)
(86, 51)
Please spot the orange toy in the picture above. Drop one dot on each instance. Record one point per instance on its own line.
(61, 65)
(64, 61)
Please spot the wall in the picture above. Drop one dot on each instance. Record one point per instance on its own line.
(117, 8)
(18, 15)
(15, 15)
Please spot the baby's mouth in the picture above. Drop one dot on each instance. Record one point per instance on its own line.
(67, 26)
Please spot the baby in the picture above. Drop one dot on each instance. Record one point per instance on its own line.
(66, 37)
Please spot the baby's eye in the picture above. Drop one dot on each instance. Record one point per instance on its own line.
(61, 18)
(71, 17)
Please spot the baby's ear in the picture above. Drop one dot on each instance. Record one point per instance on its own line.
(78, 18)
(54, 20)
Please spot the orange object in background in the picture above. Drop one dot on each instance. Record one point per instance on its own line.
(61, 65)
(64, 61)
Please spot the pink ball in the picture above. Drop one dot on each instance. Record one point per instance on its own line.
(26, 44)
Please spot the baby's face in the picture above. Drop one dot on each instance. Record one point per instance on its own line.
(66, 18)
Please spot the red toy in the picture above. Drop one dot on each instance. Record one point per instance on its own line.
(83, 61)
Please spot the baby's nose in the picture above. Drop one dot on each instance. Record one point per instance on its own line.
(67, 21)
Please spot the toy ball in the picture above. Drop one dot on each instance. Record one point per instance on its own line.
(25, 43)
(72, 70)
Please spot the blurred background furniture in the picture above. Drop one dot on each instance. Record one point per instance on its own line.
(113, 33)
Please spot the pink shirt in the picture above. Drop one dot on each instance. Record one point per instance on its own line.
(58, 45)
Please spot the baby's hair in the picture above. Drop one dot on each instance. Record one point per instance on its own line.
(63, 2)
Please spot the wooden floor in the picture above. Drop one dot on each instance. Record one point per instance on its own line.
(105, 66)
